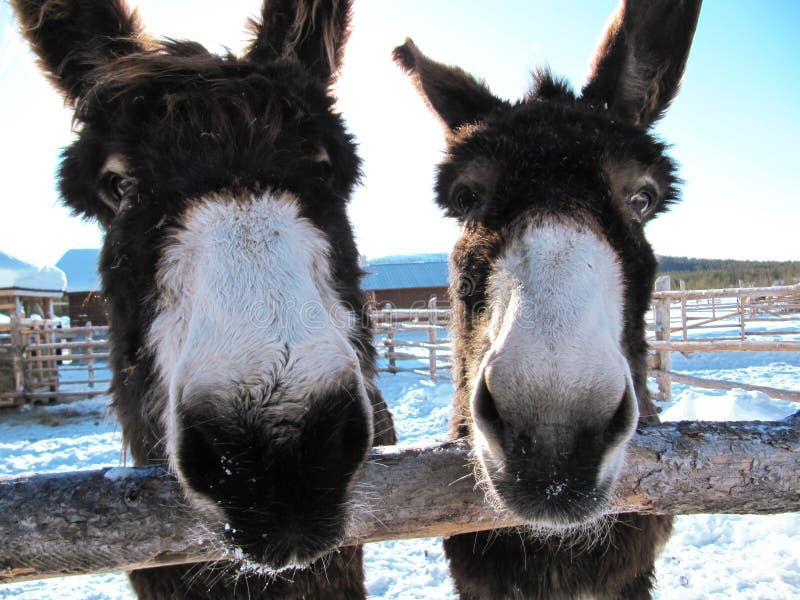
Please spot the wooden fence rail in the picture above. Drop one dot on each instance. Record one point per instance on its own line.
(416, 340)
(393, 328)
(118, 519)
(44, 352)
(744, 305)
(731, 309)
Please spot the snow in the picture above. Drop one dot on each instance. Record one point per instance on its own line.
(19, 274)
(731, 557)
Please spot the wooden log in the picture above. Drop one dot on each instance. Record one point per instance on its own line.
(72, 357)
(437, 344)
(17, 348)
(393, 314)
(432, 338)
(724, 346)
(71, 345)
(84, 382)
(89, 356)
(119, 519)
(395, 356)
(662, 319)
(682, 285)
(66, 395)
(716, 384)
(774, 291)
(389, 342)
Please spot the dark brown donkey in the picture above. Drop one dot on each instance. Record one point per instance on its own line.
(240, 354)
(551, 279)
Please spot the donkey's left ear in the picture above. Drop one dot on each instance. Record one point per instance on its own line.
(640, 62)
(453, 95)
(72, 38)
(312, 32)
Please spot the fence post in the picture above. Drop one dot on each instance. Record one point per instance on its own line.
(389, 343)
(663, 332)
(18, 348)
(682, 284)
(432, 337)
(741, 302)
(89, 353)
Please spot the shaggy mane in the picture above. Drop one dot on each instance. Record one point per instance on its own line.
(547, 86)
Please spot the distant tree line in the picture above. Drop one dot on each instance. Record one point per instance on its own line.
(704, 273)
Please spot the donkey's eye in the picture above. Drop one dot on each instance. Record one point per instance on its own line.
(464, 199)
(323, 169)
(641, 201)
(117, 185)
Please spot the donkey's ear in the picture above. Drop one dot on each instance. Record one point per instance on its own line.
(639, 64)
(72, 38)
(452, 93)
(310, 31)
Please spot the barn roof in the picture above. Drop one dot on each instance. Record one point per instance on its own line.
(388, 273)
(80, 265)
(20, 275)
(403, 272)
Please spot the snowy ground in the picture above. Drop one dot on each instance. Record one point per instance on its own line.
(709, 556)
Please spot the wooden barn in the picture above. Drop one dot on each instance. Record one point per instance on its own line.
(27, 289)
(401, 281)
(86, 303)
(27, 295)
(406, 281)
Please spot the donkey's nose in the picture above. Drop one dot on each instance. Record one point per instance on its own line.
(280, 475)
(552, 452)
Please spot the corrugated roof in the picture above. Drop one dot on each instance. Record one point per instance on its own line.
(395, 273)
(389, 273)
(80, 265)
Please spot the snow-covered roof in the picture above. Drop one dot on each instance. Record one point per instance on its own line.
(20, 275)
(80, 265)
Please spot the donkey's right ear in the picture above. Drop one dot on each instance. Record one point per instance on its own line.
(72, 38)
(452, 93)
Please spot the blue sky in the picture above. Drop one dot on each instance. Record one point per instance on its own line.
(734, 127)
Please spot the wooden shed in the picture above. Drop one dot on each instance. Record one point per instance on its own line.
(86, 303)
(407, 281)
(27, 295)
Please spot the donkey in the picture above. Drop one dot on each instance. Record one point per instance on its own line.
(550, 282)
(241, 355)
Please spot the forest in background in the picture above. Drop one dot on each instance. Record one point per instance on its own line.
(706, 274)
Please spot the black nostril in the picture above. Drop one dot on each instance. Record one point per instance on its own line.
(621, 423)
(485, 409)
(337, 434)
(203, 453)
(281, 476)
(355, 434)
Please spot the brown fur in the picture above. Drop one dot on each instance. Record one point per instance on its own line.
(556, 157)
(182, 126)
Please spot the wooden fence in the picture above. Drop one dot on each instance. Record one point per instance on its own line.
(119, 519)
(417, 337)
(51, 362)
(723, 320)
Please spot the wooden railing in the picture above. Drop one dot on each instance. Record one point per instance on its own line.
(92, 521)
(51, 362)
(723, 320)
(416, 337)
